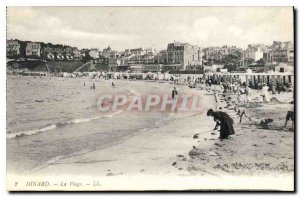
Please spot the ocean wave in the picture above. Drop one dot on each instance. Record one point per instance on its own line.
(49, 127)
(55, 160)
(30, 132)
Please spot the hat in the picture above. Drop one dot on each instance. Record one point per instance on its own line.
(209, 112)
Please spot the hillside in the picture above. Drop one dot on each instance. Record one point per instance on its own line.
(57, 66)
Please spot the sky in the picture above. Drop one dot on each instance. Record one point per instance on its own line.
(132, 27)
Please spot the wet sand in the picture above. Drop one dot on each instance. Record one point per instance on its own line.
(152, 152)
(174, 152)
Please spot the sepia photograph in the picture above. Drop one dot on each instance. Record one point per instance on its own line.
(150, 98)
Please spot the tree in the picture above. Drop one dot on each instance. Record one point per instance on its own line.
(261, 61)
(249, 61)
(232, 59)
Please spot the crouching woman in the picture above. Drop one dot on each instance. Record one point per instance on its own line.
(224, 121)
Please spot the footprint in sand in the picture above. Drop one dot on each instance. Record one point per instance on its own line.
(271, 143)
(196, 136)
(217, 144)
(262, 136)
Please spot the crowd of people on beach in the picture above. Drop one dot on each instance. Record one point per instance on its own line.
(243, 92)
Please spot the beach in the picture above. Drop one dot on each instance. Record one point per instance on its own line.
(253, 150)
(168, 149)
(47, 127)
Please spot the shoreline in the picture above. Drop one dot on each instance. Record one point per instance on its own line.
(173, 151)
(153, 149)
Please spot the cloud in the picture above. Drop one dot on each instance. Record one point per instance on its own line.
(136, 27)
(234, 31)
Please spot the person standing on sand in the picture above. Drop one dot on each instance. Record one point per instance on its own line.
(248, 94)
(224, 121)
(273, 85)
(174, 94)
(175, 97)
(209, 83)
(265, 93)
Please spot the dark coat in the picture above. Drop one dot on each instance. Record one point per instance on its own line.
(226, 124)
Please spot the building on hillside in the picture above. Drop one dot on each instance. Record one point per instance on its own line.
(115, 54)
(290, 55)
(12, 48)
(114, 62)
(281, 52)
(33, 49)
(68, 49)
(76, 53)
(137, 51)
(101, 60)
(184, 54)
(255, 52)
(84, 53)
(94, 53)
(215, 54)
(60, 56)
(106, 52)
(149, 58)
(69, 56)
(161, 57)
(50, 55)
(226, 50)
(150, 50)
(109, 53)
(212, 54)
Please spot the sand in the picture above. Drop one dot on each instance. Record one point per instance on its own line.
(174, 151)
(253, 150)
(151, 152)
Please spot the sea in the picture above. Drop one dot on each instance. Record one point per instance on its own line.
(51, 118)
